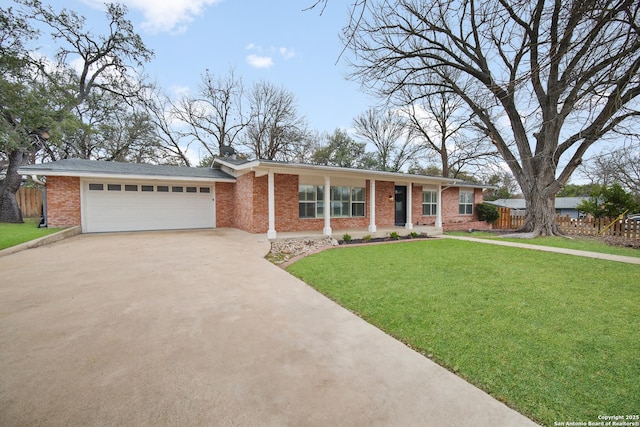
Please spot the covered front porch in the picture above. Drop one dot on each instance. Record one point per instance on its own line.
(385, 202)
(359, 233)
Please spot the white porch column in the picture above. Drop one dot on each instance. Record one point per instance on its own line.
(271, 233)
(409, 224)
(439, 207)
(327, 206)
(372, 206)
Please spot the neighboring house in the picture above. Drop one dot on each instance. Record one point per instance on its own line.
(564, 205)
(257, 196)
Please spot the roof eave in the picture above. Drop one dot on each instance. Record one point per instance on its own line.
(106, 175)
(265, 166)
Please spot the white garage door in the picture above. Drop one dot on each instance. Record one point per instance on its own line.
(134, 206)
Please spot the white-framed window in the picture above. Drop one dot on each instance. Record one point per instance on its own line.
(307, 201)
(340, 201)
(357, 201)
(466, 203)
(429, 202)
(344, 201)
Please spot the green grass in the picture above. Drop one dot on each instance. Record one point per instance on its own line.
(14, 234)
(577, 243)
(556, 337)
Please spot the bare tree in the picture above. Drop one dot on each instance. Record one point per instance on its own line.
(546, 80)
(387, 131)
(171, 140)
(620, 166)
(215, 116)
(275, 126)
(303, 150)
(443, 124)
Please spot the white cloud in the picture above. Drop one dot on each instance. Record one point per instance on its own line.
(165, 16)
(263, 58)
(287, 53)
(258, 61)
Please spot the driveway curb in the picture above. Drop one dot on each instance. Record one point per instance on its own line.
(45, 240)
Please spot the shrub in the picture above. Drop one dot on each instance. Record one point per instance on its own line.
(608, 202)
(414, 235)
(367, 238)
(488, 213)
(394, 235)
(346, 238)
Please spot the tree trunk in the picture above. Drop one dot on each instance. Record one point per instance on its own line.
(9, 210)
(539, 187)
(539, 192)
(541, 216)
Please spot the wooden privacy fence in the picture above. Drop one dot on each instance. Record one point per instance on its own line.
(581, 227)
(30, 201)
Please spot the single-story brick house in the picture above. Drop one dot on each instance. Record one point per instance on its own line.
(258, 196)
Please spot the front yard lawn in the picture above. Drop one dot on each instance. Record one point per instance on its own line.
(14, 234)
(556, 337)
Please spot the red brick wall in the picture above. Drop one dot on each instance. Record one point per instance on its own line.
(243, 203)
(251, 203)
(286, 203)
(261, 204)
(63, 201)
(385, 210)
(251, 207)
(416, 207)
(225, 206)
(287, 212)
(452, 220)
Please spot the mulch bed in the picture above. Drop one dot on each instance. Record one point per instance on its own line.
(285, 252)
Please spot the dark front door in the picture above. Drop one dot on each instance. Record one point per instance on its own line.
(401, 205)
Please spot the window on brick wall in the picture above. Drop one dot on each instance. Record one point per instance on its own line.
(345, 201)
(357, 201)
(310, 201)
(429, 202)
(340, 201)
(466, 203)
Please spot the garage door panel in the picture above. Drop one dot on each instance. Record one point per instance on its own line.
(146, 210)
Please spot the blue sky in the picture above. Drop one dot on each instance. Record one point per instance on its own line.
(276, 41)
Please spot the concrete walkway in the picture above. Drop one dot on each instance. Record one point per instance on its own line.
(608, 257)
(196, 328)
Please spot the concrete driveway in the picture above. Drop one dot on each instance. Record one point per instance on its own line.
(196, 328)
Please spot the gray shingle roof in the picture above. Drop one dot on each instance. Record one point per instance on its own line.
(569, 202)
(239, 164)
(97, 167)
(561, 203)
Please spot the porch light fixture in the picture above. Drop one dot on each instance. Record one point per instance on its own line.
(390, 198)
